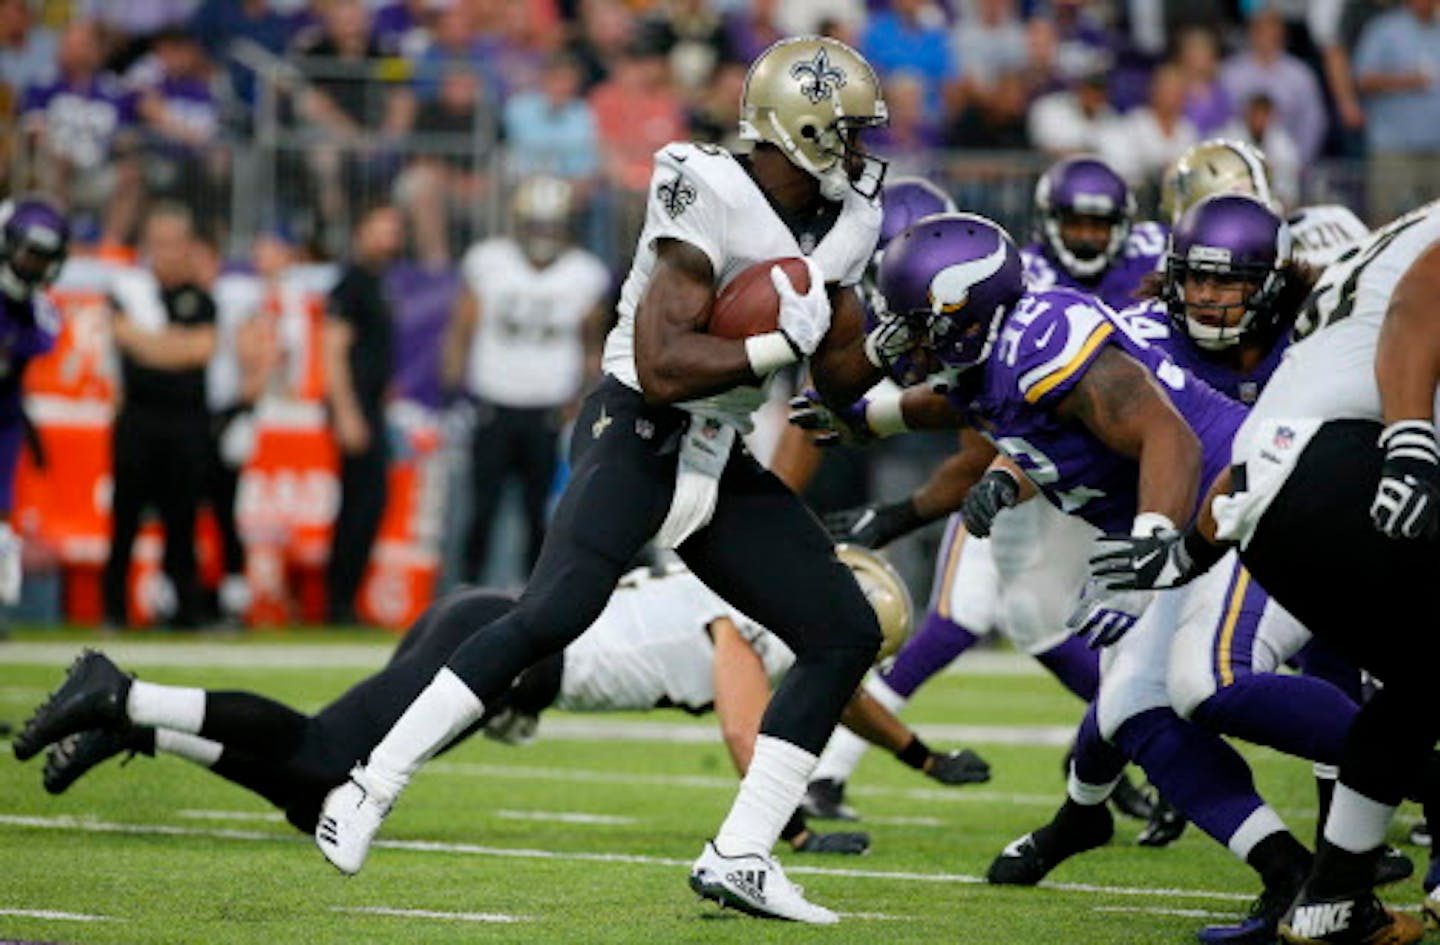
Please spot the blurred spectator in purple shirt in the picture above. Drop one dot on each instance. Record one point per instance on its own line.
(1265, 66)
(402, 27)
(81, 130)
(182, 119)
(912, 133)
(222, 25)
(1207, 104)
(750, 29)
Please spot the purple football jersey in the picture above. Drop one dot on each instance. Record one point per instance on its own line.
(1151, 321)
(80, 119)
(1142, 254)
(27, 329)
(1045, 346)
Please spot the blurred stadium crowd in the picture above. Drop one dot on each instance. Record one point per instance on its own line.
(284, 126)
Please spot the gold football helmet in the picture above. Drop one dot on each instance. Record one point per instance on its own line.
(542, 209)
(886, 592)
(1214, 166)
(808, 96)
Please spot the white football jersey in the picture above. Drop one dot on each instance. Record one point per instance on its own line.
(529, 348)
(1329, 373)
(649, 647)
(1322, 232)
(701, 195)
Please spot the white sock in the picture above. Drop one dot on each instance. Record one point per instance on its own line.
(1356, 823)
(1086, 794)
(769, 794)
(202, 751)
(175, 707)
(1325, 772)
(1261, 823)
(843, 752)
(445, 709)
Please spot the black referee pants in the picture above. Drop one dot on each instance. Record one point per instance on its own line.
(1370, 597)
(763, 551)
(364, 487)
(159, 461)
(509, 441)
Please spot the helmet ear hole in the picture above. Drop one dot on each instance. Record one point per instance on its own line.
(809, 132)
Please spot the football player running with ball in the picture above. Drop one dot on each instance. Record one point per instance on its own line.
(656, 454)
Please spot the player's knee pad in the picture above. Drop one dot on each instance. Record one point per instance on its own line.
(1133, 672)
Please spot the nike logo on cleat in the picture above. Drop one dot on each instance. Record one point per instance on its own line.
(1324, 919)
(1017, 847)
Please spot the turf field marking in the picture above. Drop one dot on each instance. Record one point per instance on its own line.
(431, 914)
(231, 815)
(597, 776)
(1154, 910)
(51, 914)
(873, 916)
(434, 846)
(564, 817)
(906, 821)
(699, 733)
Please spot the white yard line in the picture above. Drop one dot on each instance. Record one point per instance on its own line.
(906, 821)
(432, 846)
(241, 654)
(598, 776)
(564, 817)
(1184, 913)
(269, 818)
(431, 914)
(571, 728)
(52, 914)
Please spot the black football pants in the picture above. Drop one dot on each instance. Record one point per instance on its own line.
(763, 551)
(1368, 596)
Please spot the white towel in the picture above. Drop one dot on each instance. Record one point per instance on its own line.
(703, 454)
(1269, 456)
(138, 295)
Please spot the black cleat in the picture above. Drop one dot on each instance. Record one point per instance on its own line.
(1393, 867)
(71, 757)
(825, 800)
(1130, 799)
(92, 696)
(1258, 926)
(1164, 827)
(1028, 860)
(849, 844)
(1350, 919)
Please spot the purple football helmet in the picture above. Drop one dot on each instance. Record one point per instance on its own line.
(34, 240)
(905, 200)
(1083, 187)
(944, 286)
(1229, 238)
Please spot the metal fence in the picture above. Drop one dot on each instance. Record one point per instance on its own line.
(287, 161)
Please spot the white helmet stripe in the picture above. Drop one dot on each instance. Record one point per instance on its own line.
(951, 286)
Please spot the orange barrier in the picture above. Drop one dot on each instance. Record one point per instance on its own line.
(288, 493)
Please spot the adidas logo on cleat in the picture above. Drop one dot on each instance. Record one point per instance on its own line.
(1320, 920)
(327, 831)
(749, 882)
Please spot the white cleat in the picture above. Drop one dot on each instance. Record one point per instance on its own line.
(349, 819)
(755, 885)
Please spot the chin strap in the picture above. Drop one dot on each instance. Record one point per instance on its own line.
(13, 286)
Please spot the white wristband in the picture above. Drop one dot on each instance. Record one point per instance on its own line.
(883, 413)
(769, 352)
(1148, 523)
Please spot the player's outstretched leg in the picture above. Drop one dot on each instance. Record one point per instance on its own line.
(92, 696)
(1083, 821)
(73, 756)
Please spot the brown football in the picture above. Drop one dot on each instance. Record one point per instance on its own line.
(749, 305)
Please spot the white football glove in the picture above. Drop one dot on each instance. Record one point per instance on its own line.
(1105, 615)
(803, 318)
(10, 575)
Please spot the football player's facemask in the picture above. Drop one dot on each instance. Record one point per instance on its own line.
(1215, 166)
(542, 210)
(886, 591)
(944, 287)
(34, 242)
(1225, 269)
(1085, 211)
(811, 97)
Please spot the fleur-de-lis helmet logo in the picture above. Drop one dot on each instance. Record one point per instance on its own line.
(818, 78)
